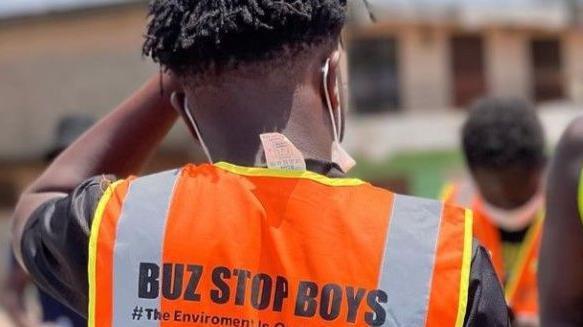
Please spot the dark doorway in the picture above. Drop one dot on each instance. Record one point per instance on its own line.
(469, 78)
(374, 77)
(547, 68)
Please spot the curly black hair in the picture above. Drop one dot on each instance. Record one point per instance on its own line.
(193, 35)
(503, 132)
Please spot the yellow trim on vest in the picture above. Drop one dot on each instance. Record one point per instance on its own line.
(280, 173)
(518, 269)
(466, 267)
(93, 237)
(447, 191)
(580, 195)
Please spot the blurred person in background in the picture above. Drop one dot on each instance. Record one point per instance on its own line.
(270, 229)
(16, 282)
(504, 147)
(561, 260)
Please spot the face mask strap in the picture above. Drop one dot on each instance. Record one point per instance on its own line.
(196, 130)
(518, 218)
(339, 155)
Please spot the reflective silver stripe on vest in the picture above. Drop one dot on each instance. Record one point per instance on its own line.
(407, 268)
(143, 219)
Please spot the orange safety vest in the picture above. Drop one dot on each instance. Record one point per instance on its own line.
(223, 245)
(521, 287)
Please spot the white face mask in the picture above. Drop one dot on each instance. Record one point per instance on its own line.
(339, 154)
(515, 219)
(194, 126)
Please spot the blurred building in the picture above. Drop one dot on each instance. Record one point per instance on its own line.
(62, 58)
(407, 73)
(81, 60)
(435, 55)
(429, 59)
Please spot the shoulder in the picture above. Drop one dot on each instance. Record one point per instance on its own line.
(147, 183)
(564, 183)
(447, 227)
(569, 153)
(569, 158)
(572, 138)
(157, 178)
(430, 208)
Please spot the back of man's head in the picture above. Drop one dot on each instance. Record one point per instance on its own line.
(193, 36)
(503, 133)
(268, 59)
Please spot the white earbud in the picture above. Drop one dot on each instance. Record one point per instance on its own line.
(196, 130)
(339, 155)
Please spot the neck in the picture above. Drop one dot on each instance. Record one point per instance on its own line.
(233, 114)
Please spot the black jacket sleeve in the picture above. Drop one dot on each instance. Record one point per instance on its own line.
(55, 244)
(486, 303)
(56, 241)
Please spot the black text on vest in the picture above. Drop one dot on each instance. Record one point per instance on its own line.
(240, 287)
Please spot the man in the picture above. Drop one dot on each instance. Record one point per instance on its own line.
(16, 281)
(504, 147)
(271, 234)
(561, 267)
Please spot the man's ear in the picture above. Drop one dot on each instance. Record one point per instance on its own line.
(177, 99)
(332, 82)
(333, 88)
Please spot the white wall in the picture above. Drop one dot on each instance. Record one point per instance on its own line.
(573, 65)
(508, 63)
(424, 62)
(50, 69)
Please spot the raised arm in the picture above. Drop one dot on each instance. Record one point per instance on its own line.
(119, 144)
(561, 260)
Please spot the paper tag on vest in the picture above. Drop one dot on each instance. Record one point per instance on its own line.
(280, 153)
(342, 158)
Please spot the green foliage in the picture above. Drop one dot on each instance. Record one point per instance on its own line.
(426, 172)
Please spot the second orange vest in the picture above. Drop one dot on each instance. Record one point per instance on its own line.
(521, 281)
